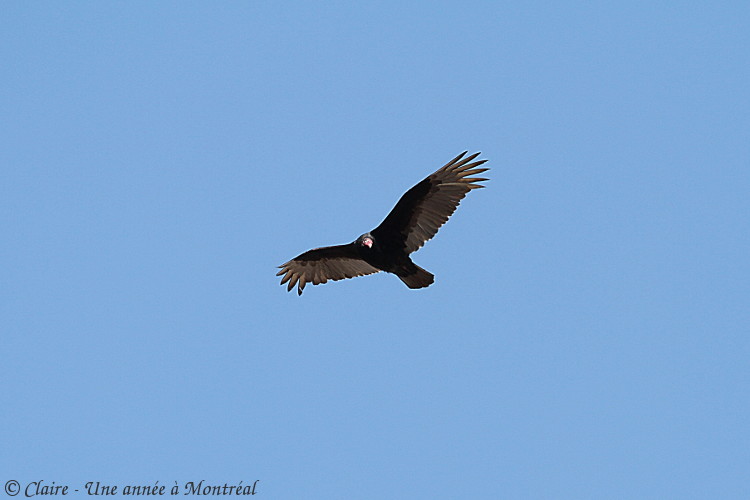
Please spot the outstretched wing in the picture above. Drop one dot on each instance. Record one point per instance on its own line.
(322, 264)
(423, 209)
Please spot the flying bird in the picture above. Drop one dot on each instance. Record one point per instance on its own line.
(416, 218)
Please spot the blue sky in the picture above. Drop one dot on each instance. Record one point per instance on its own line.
(587, 332)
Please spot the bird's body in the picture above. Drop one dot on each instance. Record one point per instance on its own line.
(415, 219)
(390, 257)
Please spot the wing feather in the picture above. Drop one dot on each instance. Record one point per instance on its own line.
(319, 265)
(423, 209)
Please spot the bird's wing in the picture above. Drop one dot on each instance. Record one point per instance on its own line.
(322, 264)
(424, 208)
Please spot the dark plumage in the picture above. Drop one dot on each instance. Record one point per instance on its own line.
(415, 219)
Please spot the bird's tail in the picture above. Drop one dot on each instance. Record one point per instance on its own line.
(416, 277)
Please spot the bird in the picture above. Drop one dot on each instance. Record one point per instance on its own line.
(415, 219)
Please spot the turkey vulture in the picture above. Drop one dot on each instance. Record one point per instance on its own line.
(415, 219)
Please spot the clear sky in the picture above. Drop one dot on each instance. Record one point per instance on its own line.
(587, 332)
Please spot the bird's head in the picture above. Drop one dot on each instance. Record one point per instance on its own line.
(366, 240)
